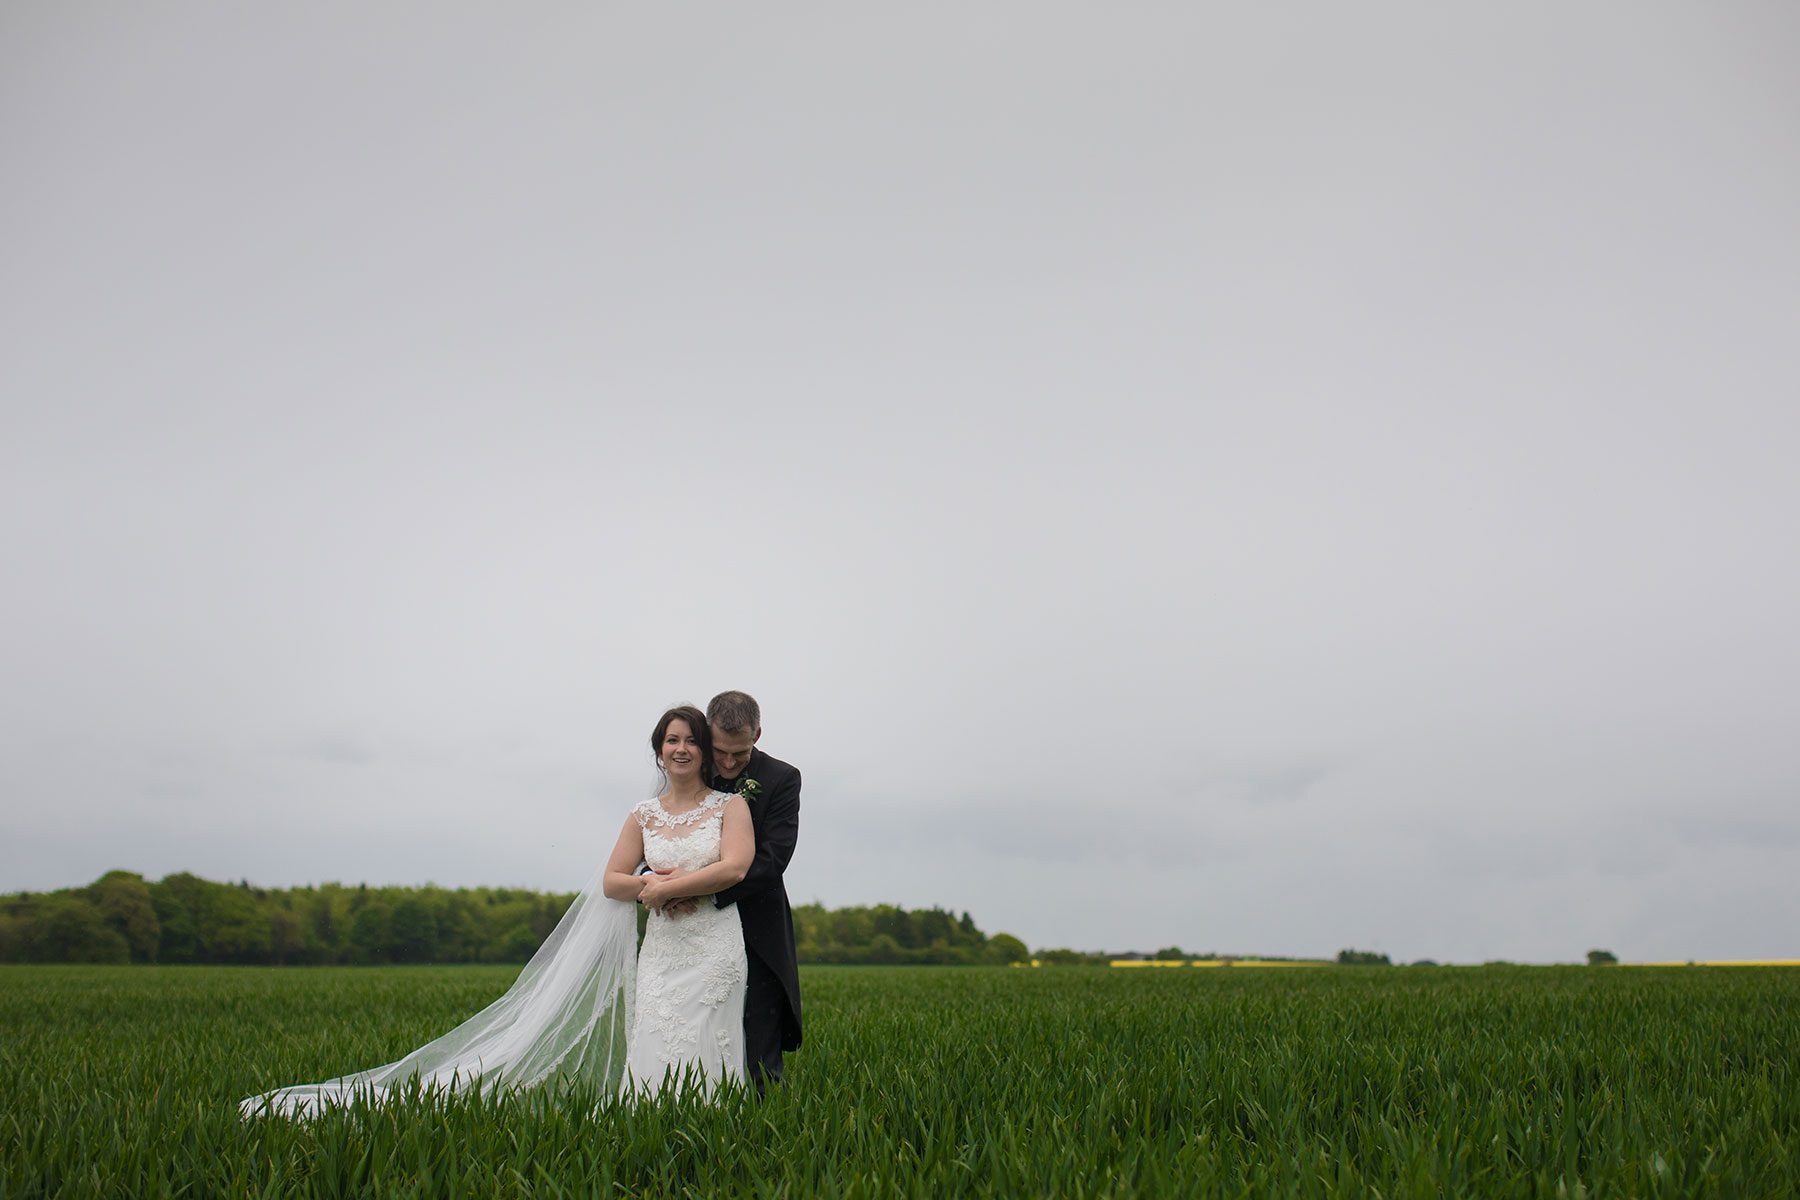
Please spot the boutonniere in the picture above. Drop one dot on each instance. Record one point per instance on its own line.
(748, 788)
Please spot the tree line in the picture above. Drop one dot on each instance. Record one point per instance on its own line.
(123, 918)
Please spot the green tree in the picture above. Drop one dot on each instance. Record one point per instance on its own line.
(884, 949)
(1005, 948)
(935, 927)
(1602, 958)
(287, 936)
(414, 931)
(1362, 958)
(372, 933)
(459, 930)
(183, 918)
(546, 912)
(178, 940)
(124, 900)
(232, 926)
(892, 923)
(515, 945)
(325, 926)
(223, 923)
(64, 928)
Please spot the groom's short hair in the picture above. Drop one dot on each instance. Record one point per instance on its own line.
(734, 712)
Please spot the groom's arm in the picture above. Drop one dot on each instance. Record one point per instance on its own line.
(776, 834)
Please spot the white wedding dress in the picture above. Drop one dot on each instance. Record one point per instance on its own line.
(588, 1007)
(689, 1016)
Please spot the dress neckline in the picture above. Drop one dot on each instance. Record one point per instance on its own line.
(708, 802)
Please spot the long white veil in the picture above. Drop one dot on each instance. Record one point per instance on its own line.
(567, 1015)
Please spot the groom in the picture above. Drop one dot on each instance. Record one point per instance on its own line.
(771, 789)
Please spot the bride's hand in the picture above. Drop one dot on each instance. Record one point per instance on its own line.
(656, 887)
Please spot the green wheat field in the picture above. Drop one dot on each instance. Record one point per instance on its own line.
(917, 1081)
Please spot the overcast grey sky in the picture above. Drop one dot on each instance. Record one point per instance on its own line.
(1267, 479)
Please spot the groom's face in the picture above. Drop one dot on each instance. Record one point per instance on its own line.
(731, 752)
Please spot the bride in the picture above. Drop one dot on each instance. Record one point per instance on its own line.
(589, 1006)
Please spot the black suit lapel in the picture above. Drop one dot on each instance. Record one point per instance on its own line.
(735, 785)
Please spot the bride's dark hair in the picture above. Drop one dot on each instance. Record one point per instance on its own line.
(696, 722)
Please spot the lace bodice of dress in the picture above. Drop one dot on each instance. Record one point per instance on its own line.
(689, 840)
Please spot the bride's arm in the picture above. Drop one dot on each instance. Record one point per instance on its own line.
(621, 881)
(737, 846)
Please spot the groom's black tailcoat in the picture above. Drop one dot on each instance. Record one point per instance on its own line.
(761, 897)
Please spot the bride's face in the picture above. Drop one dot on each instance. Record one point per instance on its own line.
(680, 752)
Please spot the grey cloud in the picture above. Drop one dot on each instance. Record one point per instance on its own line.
(1774, 828)
(1328, 467)
(338, 748)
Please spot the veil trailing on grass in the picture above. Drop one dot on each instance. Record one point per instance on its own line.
(566, 1016)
